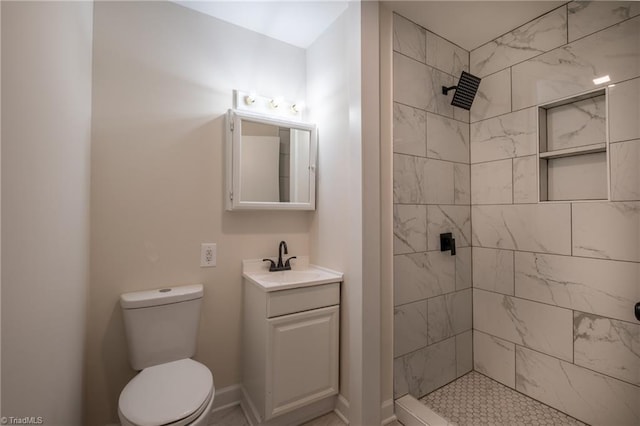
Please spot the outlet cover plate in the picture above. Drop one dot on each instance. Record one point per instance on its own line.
(208, 255)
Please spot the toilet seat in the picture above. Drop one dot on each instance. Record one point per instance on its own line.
(175, 393)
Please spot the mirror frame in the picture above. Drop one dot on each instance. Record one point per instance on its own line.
(233, 193)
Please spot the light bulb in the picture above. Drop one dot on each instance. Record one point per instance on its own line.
(275, 102)
(297, 107)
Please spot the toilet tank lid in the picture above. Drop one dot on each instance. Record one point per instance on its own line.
(161, 296)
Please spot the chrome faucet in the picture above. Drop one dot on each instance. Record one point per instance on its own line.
(280, 266)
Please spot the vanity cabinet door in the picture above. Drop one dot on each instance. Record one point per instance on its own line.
(302, 359)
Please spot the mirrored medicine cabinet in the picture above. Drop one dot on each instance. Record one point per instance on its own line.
(270, 163)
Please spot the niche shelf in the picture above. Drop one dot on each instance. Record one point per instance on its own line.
(573, 144)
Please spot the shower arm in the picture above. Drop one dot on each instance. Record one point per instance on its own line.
(445, 89)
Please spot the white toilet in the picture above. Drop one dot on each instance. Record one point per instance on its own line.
(171, 389)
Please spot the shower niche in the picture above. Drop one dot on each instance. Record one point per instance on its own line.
(573, 147)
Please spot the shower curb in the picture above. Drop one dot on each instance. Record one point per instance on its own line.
(411, 412)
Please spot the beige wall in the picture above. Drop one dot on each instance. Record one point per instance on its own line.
(369, 100)
(346, 232)
(46, 106)
(163, 79)
(0, 209)
(328, 101)
(333, 99)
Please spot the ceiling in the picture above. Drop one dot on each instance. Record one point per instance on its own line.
(469, 24)
(297, 22)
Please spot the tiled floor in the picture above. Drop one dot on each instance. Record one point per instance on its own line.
(472, 400)
(476, 400)
(234, 416)
(330, 419)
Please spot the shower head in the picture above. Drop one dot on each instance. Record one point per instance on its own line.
(465, 90)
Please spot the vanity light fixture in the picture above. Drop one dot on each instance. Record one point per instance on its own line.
(275, 102)
(600, 80)
(268, 105)
(297, 107)
(250, 99)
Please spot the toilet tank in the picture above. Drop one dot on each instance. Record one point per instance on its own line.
(161, 325)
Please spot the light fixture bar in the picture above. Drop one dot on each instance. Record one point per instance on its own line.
(268, 105)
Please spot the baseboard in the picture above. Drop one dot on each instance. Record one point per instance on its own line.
(249, 409)
(342, 408)
(412, 412)
(226, 397)
(298, 416)
(387, 412)
(236, 395)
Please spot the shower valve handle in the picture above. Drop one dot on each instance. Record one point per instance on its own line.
(447, 242)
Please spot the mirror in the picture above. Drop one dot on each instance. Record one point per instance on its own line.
(270, 163)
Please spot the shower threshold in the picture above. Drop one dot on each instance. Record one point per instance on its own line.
(476, 400)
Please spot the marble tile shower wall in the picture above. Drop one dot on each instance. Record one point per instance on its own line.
(431, 191)
(554, 284)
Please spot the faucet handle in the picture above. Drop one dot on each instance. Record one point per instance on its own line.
(287, 264)
(272, 265)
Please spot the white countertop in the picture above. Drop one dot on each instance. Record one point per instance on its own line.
(302, 274)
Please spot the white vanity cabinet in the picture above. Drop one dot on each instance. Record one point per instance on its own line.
(290, 347)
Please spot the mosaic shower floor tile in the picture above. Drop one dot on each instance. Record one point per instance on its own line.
(476, 400)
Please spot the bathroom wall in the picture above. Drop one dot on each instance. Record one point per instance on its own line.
(555, 283)
(162, 81)
(0, 210)
(335, 87)
(46, 125)
(328, 100)
(431, 195)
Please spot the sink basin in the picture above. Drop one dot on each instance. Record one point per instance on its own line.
(289, 277)
(307, 276)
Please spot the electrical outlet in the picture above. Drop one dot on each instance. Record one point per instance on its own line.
(208, 254)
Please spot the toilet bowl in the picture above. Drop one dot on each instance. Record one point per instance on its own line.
(171, 389)
(177, 393)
